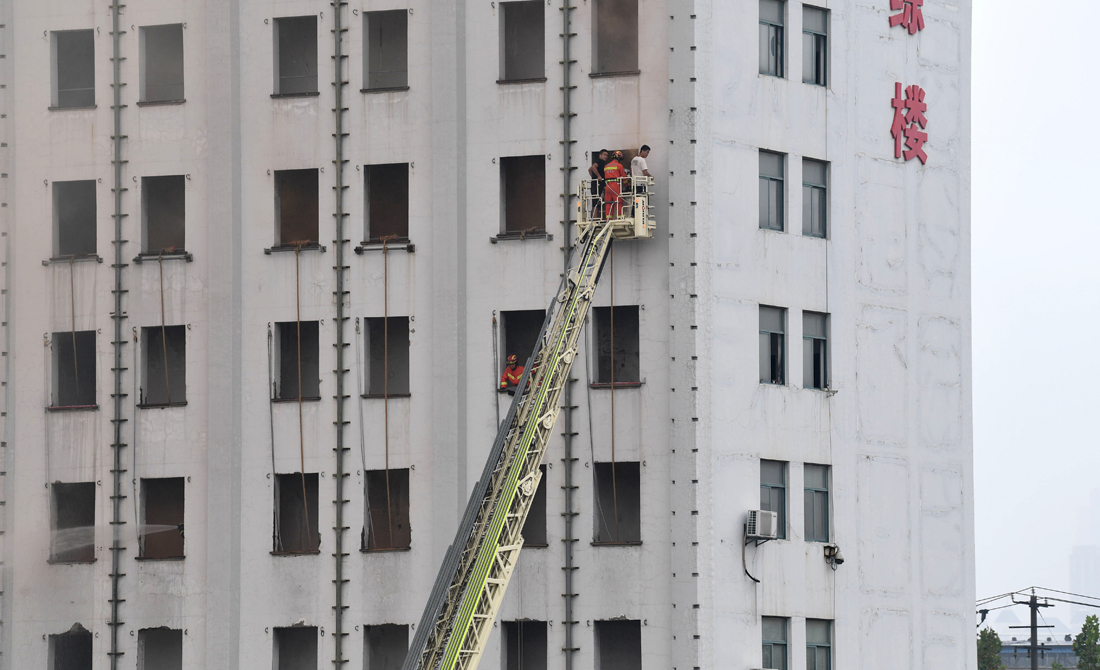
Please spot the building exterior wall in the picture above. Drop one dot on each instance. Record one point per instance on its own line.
(893, 275)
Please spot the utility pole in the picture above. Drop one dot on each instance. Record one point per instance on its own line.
(1034, 604)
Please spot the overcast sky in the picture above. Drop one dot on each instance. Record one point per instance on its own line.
(1036, 266)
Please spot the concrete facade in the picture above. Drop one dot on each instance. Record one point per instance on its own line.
(893, 275)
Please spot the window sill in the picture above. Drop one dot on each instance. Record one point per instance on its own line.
(280, 248)
(54, 561)
(165, 405)
(314, 552)
(387, 89)
(311, 94)
(305, 399)
(522, 235)
(382, 396)
(772, 230)
(159, 559)
(160, 103)
(632, 543)
(72, 408)
(535, 546)
(773, 76)
(400, 244)
(178, 255)
(79, 258)
(532, 80)
(387, 550)
(814, 237)
(624, 73)
(67, 109)
(618, 385)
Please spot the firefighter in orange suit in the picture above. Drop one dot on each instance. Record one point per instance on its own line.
(512, 375)
(615, 175)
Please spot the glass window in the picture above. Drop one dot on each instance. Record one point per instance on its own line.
(814, 174)
(771, 190)
(773, 493)
(815, 351)
(815, 31)
(615, 48)
(816, 496)
(386, 56)
(162, 63)
(296, 56)
(523, 41)
(775, 642)
(73, 66)
(771, 37)
(771, 344)
(819, 635)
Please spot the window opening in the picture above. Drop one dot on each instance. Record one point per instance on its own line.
(816, 497)
(163, 214)
(521, 330)
(819, 637)
(771, 190)
(618, 502)
(619, 645)
(74, 218)
(771, 37)
(289, 351)
(813, 197)
(160, 649)
(295, 648)
(73, 68)
(296, 56)
(815, 30)
(388, 509)
(74, 368)
(773, 493)
(162, 518)
(385, 646)
(772, 346)
(616, 44)
(73, 508)
(534, 528)
(296, 207)
(618, 358)
(386, 58)
(775, 642)
(388, 349)
(164, 349)
(296, 514)
(523, 185)
(162, 63)
(71, 650)
(524, 645)
(523, 41)
(815, 351)
(387, 202)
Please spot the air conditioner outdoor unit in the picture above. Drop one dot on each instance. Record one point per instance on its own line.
(762, 525)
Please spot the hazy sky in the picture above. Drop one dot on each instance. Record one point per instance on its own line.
(1036, 266)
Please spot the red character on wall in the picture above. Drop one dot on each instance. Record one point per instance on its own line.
(908, 114)
(911, 16)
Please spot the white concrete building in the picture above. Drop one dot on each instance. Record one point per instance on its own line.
(288, 138)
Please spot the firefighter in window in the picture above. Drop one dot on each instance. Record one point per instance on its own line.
(512, 374)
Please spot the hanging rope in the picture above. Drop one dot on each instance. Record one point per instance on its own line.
(386, 373)
(301, 428)
(163, 332)
(276, 539)
(614, 479)
(362, 439)
(591, 440)
(72, 308)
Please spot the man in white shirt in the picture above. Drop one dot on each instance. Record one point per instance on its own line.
(639, 168)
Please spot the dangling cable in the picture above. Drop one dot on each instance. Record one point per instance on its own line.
(135, 478)
(362, 438)
(276, 539)
(614, 479)
(163, 333)
(591, 442)
(386, 374)
(72, 306)
(301, 428)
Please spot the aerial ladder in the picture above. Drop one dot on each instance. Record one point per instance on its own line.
(478, 565)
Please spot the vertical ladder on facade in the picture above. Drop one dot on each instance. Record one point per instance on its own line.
(471, 583)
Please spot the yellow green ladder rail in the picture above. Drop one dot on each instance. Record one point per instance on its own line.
(471, 583)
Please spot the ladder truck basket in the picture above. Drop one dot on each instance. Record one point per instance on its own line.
(624, 203)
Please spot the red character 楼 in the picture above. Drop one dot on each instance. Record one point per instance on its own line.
(908, 115)
(911, 16)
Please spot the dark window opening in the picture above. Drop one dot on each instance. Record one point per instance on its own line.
(162, 210)
(385, 646)
(523, 185)
(617, 362)
(295, 648)
(296, 55)
(771, 190)
(534, 528)
(386, 56)
(74, 364)
(388, 510)
(73, 511)
(296, 530)
(619, 645)
(618, 503)
(771, 37)
(773, 493)
(74, 218)
(298, 362)
(813, 197)
(816, 496)
(387, 201)
(165, 355)
(71, 650)
(815, 30)
(388, 350)
(522, 41)
(161, 530)
(520, 333)
(162, 63)
(815, 350)
(616, 44)
(296, 207)
(524, 645)
(73, 68)
(774, 642)
(772, 329)
(160, 649)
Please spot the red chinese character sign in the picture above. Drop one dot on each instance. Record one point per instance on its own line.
(908, 115)
(911, 16)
